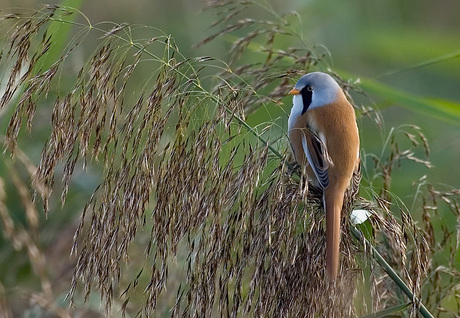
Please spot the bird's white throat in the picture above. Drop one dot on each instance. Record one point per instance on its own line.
(296, 111)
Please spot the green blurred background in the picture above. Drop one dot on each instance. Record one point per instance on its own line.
(377, 41)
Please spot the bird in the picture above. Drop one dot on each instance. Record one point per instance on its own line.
(324, 139)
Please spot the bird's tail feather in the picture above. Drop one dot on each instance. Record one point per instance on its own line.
(333, 204)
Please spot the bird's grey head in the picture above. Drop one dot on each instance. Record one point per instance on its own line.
(316, 89)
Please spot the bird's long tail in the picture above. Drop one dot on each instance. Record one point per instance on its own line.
(333, 201)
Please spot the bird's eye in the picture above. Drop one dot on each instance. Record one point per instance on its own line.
(310, 88)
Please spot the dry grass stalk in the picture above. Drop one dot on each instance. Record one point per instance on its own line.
(26, 239)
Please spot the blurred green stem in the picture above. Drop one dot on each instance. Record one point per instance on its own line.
(387, 312)
(393, 275)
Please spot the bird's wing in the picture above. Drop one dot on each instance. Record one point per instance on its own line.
(317, 156)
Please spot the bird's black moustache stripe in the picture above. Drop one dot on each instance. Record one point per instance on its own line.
(306, 98)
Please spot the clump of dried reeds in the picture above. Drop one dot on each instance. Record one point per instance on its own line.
(179, 159)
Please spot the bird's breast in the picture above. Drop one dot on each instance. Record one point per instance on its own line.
(336, 126)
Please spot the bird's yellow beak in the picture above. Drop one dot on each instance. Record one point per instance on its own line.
(294, 92)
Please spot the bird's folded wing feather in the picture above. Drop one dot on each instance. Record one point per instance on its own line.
(317, 156)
